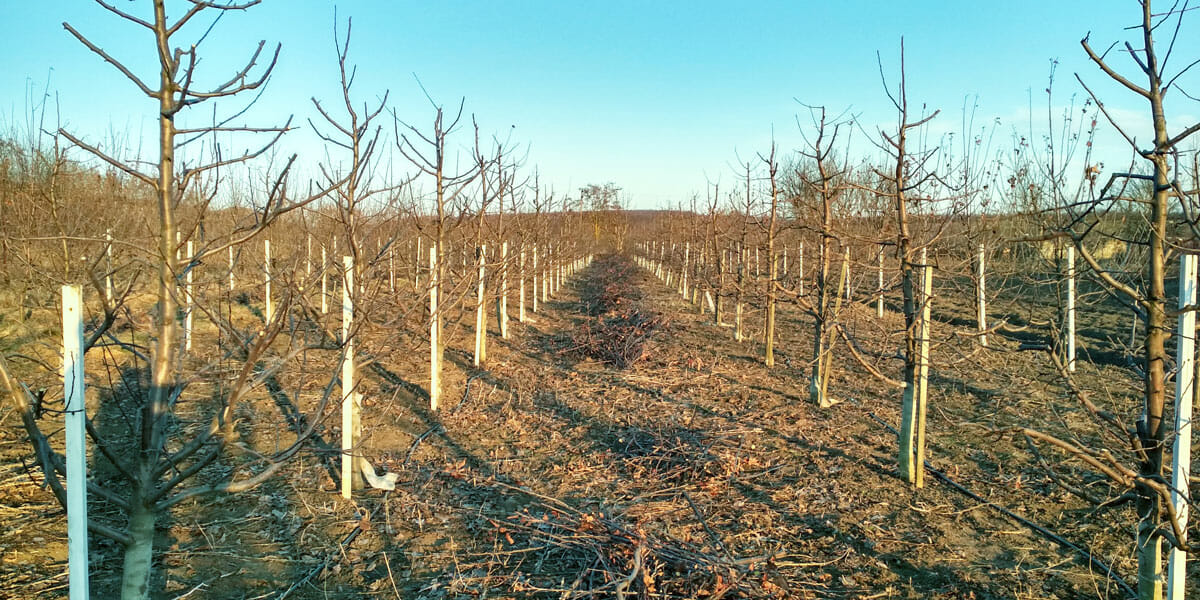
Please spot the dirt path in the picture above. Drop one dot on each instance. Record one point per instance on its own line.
(697, 446)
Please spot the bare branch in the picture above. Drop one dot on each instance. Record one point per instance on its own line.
(1111, 73)
(112, 61)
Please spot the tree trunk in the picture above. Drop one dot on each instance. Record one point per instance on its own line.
(770, 328)
(741, 282)
(437, 269)
(908, 405)
(1150, 430)
(135, 576)
(816, 387)
(718, 302)
(502, 299)
(138, 555)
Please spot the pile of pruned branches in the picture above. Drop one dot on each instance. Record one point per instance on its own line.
(619, 325)
(601, 556)
(675, 455)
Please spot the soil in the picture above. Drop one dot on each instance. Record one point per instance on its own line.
(695, 471)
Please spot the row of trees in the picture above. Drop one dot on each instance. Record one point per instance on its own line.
(960, 205)
(915, 204)
(244, 242)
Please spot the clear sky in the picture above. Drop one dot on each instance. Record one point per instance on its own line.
(654, 96)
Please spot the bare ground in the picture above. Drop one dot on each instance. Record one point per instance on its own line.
(696, 472)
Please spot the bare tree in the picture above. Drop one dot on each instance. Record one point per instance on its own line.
(772, 166)
(355, 135)
(1168, 208)
(908, 173)
(491, 189)
(746, 207)
(158, 473)
(819, 185)
(714, 276)
(449, 185)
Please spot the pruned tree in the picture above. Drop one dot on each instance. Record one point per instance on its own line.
(714, 281)
(771, 289)
(816, 189)
(157, 468)
(908, 172)
(1169, 210)
(491, 188)
(449, 185)
(745, 205)
(543, 201)
(355, 135)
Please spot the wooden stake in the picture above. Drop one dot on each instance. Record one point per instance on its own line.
(435, 332)
(683, 279)
(981, 298)
(521, 293)
(480, 311)
(769, 328)
(189, 301)
(1070, 329)
(324, 282)
(818, 388)
(546, 273)
(846, 261)
(551, 270)
(536, 278)
(738, 334)
(1181, 455)
(912, 423)
(800, 269)
(737, 322)
(923, 366)
(879, 287)
(718, 303)
(1133, 328)
(349, 405)
(75, 414)
(108, 284)
(502, 301)
(270, 310)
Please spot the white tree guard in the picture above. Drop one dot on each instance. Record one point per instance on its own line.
(75, 412)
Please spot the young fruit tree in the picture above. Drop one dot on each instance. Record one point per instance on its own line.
(168, 442)
(1169, 211)
(815, 188)
(746, 206)
(772, 285)
(906, 180)
(449, 185)
(356, 135)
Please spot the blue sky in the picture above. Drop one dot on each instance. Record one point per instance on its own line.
(655, 97)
